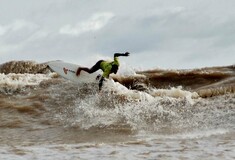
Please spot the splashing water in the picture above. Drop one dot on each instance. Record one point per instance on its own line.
(146, 116)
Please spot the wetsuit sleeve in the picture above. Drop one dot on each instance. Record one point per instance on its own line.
(121, 54)
(116, 61)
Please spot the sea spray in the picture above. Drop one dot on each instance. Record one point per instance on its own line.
(12, 82)
(116, 106)
(54, 118)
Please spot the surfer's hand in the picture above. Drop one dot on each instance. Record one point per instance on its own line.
(127, 54)
(98, 77)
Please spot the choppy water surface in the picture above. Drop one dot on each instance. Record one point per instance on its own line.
(157, 114)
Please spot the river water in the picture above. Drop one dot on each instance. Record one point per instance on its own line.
(155, 114)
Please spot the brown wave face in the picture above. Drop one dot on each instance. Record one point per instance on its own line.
(22, 111)
(57, 111)
(47, 113)
(206, 82)
(23, 67)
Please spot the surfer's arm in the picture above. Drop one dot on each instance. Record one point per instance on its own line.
(121, 54)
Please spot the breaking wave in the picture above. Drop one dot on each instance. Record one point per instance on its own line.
(158, 102)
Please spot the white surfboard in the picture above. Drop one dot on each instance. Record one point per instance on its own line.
(68, 71)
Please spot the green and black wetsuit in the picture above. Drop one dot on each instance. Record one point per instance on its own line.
(106, 66)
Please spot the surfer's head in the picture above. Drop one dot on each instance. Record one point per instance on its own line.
(114, 68)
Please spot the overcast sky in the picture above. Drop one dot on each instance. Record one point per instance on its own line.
(170, 34)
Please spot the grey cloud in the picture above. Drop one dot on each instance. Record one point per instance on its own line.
(186, 32)
(94, 23)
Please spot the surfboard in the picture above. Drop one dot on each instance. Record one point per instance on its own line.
(68, 71)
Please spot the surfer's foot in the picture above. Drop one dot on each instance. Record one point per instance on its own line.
(78, 71)
(98, 77)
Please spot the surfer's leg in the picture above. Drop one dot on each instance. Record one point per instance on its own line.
(96, 67)
(93, 69)
(80, 69)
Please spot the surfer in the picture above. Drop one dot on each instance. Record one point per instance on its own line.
(106, 66)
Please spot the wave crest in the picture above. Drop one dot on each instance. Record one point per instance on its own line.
(23, 67)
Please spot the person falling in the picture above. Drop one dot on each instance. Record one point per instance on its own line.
(106, 66)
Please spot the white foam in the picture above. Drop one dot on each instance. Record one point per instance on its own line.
(174, 92)
(117, 103)
(14, 81)
(198, 134)
(117, 88)
(138, 109)
(111, 86)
